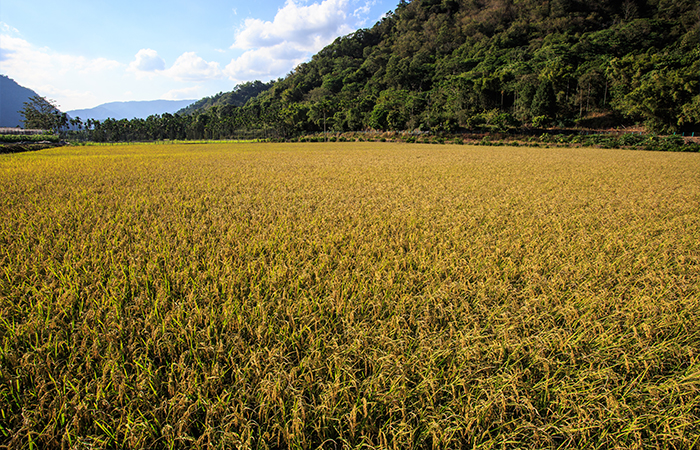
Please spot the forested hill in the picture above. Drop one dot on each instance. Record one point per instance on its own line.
(451, 65)
(227, 100)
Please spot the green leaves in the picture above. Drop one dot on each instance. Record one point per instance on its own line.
(657, 88)
(441, 65)
(545, 102)
(43, 114)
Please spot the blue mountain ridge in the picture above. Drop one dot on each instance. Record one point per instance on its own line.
(130, 110)
(12, 98)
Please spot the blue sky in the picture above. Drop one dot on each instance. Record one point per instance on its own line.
(85, 53)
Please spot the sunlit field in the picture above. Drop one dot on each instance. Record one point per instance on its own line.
(349, 295)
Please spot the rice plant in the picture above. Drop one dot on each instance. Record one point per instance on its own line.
(349, 295)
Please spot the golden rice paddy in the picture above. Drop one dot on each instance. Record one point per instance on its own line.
(349, 295)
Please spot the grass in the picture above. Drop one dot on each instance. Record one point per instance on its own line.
(14, 138)
(349, 295)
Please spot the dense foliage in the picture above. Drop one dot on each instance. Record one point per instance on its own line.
(228, 101)
(460, 64)
(13, 138)
(217, 117)
(43, 114)
(240, 124)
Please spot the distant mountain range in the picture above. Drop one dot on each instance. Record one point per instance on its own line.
(130, 110)
(12, 98)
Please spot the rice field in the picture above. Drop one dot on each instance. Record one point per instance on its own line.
(349, 296)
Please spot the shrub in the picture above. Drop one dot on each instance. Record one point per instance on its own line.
(540, 121)
(13, 138)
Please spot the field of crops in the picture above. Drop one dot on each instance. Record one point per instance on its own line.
(349, 295)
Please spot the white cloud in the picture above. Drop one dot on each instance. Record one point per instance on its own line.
(183, 94)
(5, 28)
(304, 26)
(265, 63)
(12, 47)
(190, 67)
(19, 56)
(44, 70)
(362, 12)
(273, 48)
(147, 60)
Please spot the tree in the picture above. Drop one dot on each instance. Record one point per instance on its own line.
(451, 64)
(321, 107)
(41, 113)
(545, 102)
(658, 88)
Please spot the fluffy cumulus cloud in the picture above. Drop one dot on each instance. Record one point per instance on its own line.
(265, 62)
(46, 71)
(147, 60)
(190, 67)
(28, 61)
(297, 31)
(305, 26)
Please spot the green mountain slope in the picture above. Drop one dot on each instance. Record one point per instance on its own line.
(460, 64)
(227, 100)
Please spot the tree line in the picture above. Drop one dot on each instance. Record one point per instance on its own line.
(217, 122)
(458, 65)
(452, 65)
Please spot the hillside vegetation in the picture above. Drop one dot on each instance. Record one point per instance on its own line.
(349, 295)
(228, 101)
(452, 66)
(458, 64)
